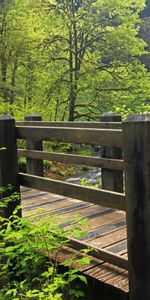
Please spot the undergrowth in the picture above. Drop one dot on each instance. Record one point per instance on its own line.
(29, 255)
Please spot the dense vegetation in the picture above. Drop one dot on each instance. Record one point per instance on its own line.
(71, 59)
(29, 255)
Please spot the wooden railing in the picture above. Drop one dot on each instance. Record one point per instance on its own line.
(134, 137)
(110, 160)
(98, 125)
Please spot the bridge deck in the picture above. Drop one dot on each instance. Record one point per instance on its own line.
(106, 230)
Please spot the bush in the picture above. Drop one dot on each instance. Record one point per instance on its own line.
(28, 267)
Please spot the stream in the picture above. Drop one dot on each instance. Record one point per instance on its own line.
(90, 177)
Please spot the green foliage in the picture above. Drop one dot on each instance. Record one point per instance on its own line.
(57, 147)
(68, 172)
(28, 266)
(85, 182)
(71, 59)
(84, 151)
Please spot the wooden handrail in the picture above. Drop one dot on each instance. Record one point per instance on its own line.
(104, 125)
(87, 194)
(102, 254)
(108, 137)
(113, 164)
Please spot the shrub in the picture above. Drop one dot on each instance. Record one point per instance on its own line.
(29, 249)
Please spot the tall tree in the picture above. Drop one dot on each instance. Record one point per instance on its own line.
(71, 59)
(94, 48)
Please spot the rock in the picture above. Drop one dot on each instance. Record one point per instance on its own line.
(95, 170)
(91, 181)
(73, 180)
(98, 175)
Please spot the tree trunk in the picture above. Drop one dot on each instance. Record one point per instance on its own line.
(3, 58)
(29, 82)
(73, 64)
(13, 80)
(71, 94)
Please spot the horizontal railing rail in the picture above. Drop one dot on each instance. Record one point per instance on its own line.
(107, 137)
(101, 254)
(87, 194)
(102, 125)
(99, 162)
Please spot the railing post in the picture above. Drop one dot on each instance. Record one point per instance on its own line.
(9, 164)
(136, 143)
(111, 179)
(34, 166)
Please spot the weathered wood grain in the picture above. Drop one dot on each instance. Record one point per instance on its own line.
(91, 195)
(108, 137)
(115, 164)
(106, 125)
(54, 207)
(111, 179)
(105, 272)
(99, 231)
(109, 239)
(136, 132)
(34, 166)
(101, 254)
(8, 164)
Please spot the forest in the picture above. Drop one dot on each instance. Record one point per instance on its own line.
(72, 59)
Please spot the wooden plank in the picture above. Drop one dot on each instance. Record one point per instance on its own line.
(91, 225)
(29, 199)
(108, 137)
(84, 213)
(103, 219)
(56, 207)
(110, 275)
(120, 281)
(105, 125)
(35, 206)
(31, 193)
(40, 200)
(115, 164)
(109, 239)
(79, 212)
(106, 228)
(105, 272)
(95, 196)
(117, 247)
(136, 132)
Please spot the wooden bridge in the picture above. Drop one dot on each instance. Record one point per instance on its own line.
(122, 198)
